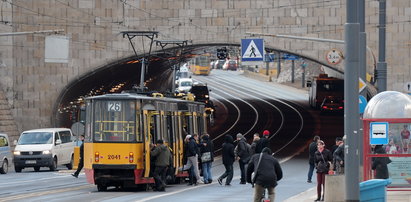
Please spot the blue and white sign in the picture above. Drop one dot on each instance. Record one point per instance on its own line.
(379, 133)
(252, 50)
(269, 57)
(290, 57)
(362, 104)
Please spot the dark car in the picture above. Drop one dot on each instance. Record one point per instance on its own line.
(332, 104)
(200, 92)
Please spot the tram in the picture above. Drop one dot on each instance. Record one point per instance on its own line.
(120, 129)
(200, 65)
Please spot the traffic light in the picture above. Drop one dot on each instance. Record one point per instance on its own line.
(222, 53)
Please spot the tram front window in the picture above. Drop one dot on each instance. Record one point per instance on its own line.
(115, 121)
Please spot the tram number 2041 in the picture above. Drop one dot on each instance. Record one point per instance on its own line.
(112, 157)
(114, 106)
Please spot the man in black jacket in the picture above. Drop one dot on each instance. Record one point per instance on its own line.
(242, 152)
(267, 172)
(311, 150)
(263, 142)
(228, 160)
(81, 160)
(163, 159)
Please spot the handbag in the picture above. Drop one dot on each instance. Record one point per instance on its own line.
(206, 157)
(322, 166)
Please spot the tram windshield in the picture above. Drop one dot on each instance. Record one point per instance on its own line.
(115, 121)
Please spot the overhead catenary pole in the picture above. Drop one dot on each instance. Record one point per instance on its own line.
(381, 75)
(149, 34)
(362, 70)
(174, 67)
(351, 115)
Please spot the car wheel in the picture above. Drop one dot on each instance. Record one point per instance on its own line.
(5, 167)
(17, 169)
(37, 168)
(54, 166)
(70, 165)
(101, 187)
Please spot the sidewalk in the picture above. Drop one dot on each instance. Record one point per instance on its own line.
(311, 194)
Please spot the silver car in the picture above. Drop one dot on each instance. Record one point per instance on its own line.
(5, 153)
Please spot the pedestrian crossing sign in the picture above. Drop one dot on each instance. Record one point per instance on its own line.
(252, 50)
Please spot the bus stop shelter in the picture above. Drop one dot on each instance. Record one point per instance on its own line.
(387, 123)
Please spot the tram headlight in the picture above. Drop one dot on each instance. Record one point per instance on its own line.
(96, 157)
(131, 157)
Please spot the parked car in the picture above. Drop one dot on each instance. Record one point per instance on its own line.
(332, 104)
(47, 147)
(5, 153)
(230, 65)
(219, 64)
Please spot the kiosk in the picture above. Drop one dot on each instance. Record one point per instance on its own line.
(387, 126)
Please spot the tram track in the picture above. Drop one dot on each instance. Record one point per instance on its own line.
(285, 135)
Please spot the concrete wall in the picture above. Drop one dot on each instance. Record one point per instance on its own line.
(94, 25)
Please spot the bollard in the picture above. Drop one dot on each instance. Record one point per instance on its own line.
(334, 188)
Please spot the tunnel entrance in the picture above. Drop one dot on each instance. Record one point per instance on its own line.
(124, 75)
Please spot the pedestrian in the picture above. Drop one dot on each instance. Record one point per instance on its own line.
(163, 157)
(267, 172)
(256, 138)
(263, 142)
(228, 160)
(323, 158)
(337, 143)
(338, 158)
(81, 159)
(379, 164)
(185, 160)
(207, 158)
(405, 139)
(192, 158)
(311, 151)
(242, 153)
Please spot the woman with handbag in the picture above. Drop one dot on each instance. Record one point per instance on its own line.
(207, 157)
(322, 159)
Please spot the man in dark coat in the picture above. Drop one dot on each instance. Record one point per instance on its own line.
(379, 164)
(267, 173)
(311, 151)
(81, 160)
(163, 157)
(263, 142)
(242, 151)
(228, 160)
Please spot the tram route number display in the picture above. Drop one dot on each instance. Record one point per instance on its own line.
(112, 157)
(114, 106)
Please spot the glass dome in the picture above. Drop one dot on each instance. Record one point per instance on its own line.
(388, 104)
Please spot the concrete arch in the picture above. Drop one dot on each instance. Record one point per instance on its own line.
(127, 70)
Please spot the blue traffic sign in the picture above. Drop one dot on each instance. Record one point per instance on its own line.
(290, 57)
(269, 57)
(362, 104)
(379, 133)
(252, 50)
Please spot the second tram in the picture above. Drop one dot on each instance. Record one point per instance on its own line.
(200, 65)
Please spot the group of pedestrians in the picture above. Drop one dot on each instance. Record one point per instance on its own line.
(325, 162)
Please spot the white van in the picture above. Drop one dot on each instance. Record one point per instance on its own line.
(184, 85)
(47, 147)
(5, 153)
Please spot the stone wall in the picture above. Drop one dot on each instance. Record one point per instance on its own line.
(93, 26)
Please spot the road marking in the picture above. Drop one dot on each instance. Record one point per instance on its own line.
(36, 194)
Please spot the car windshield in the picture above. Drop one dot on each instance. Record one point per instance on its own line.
(186, 83)
(35, 138)
(232, 62)
(199, 90)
